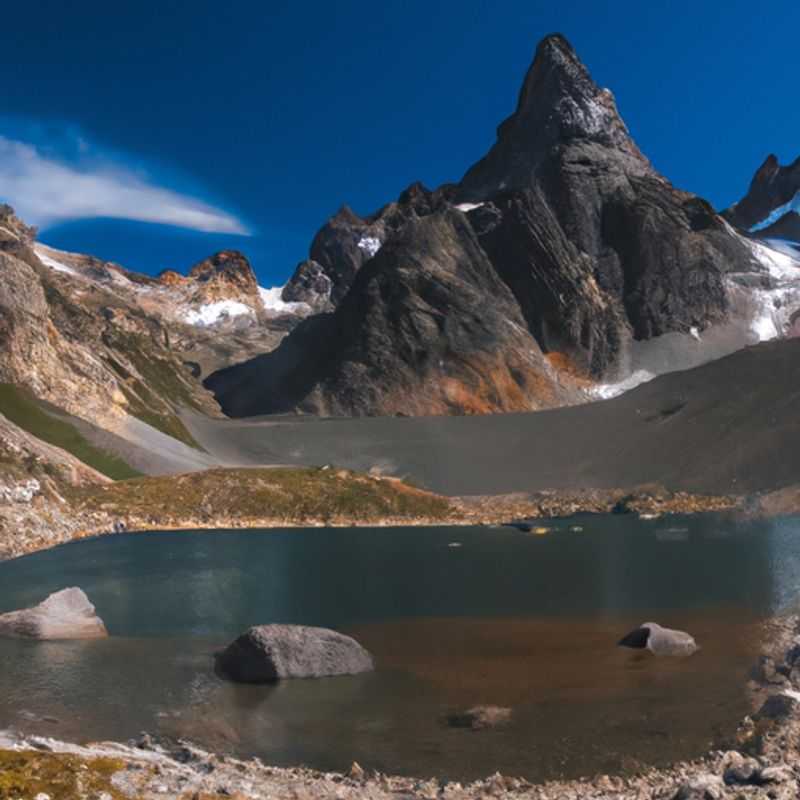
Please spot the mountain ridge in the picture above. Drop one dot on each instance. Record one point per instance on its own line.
(772, 202)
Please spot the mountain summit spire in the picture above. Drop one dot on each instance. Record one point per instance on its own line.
(559, 104)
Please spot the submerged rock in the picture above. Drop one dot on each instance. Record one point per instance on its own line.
(480, 717)
(268, 653)
(67, 614)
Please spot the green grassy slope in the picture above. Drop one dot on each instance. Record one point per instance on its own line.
(19, 406)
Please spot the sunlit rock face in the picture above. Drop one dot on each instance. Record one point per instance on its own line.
(103, 342)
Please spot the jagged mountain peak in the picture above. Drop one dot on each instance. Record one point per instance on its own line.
(772, 202)
(556, 72)
(559, 106)
(226, 265)
(768, 169)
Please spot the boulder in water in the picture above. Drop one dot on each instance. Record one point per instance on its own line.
(67, 614)
(267, 653)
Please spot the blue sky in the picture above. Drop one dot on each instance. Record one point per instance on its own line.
(262, 118)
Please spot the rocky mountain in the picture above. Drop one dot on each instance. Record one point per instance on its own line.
(427, 327)
(564, 234)
(121, 353)
(346, 242)
(771, 207)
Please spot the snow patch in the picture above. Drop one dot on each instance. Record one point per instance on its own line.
(212, 313)
(777, 213)
(773, 307)
(695, 333)
(271, 298)
(605, 391)
(465, 207)
(51, 262)
(781, 265)
(370, 245)
(785, 246)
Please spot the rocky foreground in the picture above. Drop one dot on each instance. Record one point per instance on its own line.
(765, 764)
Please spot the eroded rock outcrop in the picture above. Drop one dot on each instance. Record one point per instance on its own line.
(268, 653)
(66, 614)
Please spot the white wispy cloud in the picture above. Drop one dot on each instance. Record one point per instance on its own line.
(46, 189)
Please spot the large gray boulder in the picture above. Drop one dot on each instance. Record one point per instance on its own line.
(267, 653)
(67, 614)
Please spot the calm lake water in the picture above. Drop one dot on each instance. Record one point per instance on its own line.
(506, 618)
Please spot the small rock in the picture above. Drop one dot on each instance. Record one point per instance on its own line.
(780, 773)
(701, 787)
(744, 772)
(767, 672)
(356, 771)
(606, 783)
(480, 717)
(793, 655)
(778, 707)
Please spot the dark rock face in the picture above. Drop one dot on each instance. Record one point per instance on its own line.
(572, 246)
(311, 285)
(787, 227)
(427, 327)
(552, 281)
(347, 241)
(340, 247)
(67, 614)
(598, 248)
(267, 653)
(772, 186)
(559, 108)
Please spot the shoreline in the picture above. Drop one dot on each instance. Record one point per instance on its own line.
(761, 765)
(328, 496)
(486, 510)
(482, 510)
